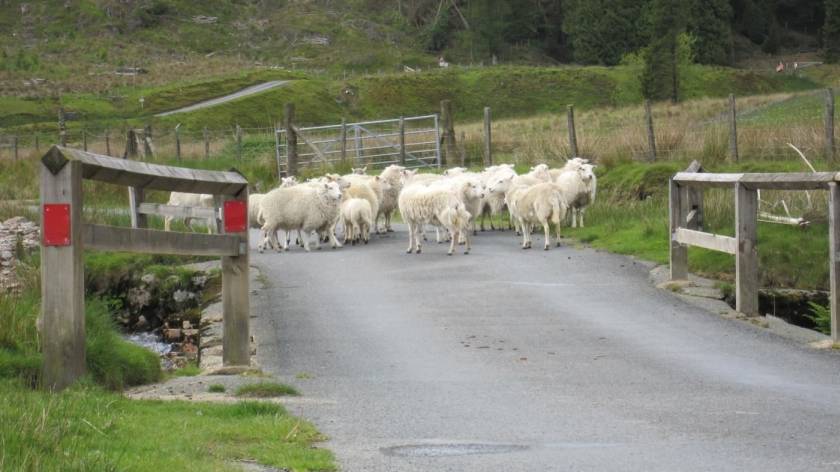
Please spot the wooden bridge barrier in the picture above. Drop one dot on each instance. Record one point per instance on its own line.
(686, 215)
(65, 237)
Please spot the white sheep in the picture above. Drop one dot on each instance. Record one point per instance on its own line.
(538, 204)
(579, 185)
(411, 177)
(201, 200)
(469, 189)
(358, 170)
(420, 205)
(508, 184)
(494, 203)
(392, 175)
(370, 187)
(307, 208)
(356, 217)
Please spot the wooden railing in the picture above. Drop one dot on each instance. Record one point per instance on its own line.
(686, 217)
(65, 237)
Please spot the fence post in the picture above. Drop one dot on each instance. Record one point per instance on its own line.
(343, 140)
(437, 141)
(62, 128)
(357, 138)
(206, 144)
(829, 125)
(291, 139)
(108, 141)
(236, 309)
(135, 195)
(148, 152)
(277, 152)
(62, 275)
(570, 115)
(488, 156)
(462, 149)
(733, 129)
(834, 260)
(402, 141)
(84, 139)
(238, 142)
(651, 136)
(178, 142)
(746, 257)
(448, 132)
(678, 252)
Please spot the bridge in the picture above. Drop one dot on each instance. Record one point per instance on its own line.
(501, 360)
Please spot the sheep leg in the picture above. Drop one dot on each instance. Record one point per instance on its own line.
(417, 244)
(524, 236)
(547, 234)
(581, 211)
(455, 236)
(574, 218)
(167, 223)
(410, 237)
(468, 246)
(438, 239)
(388, 222)
(333, 240)
(305, 238)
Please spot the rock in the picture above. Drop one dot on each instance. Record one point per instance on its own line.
(6, 255)
(138, 297)
(149, 279)
(190, 332)
(186, 324)
(199, 281)
(142, 324)
(180, 296)
(172, 334)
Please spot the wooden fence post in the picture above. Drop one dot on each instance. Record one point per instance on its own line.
(462, 149)
(62, 276)
(448, 132)
(135, 195)
(178, 142)
(570, 116)
(84, 139)
(236, 309)
(148, 152)
(343, 140)
(746, 257)
(108, 141)
(651, 136)
(829, 125)
(488, 155)
(402, 141)
(733, 129)
(834, 258)
(678, 252)
(291, 139)
(206, 144)
(62, 128)
(238, 142)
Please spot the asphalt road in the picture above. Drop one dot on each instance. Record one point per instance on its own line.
(511, 360)
(254, 89)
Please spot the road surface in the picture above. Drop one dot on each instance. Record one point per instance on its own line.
(254, 89)
(511, 360)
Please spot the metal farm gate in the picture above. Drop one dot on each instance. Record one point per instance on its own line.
(410, 141)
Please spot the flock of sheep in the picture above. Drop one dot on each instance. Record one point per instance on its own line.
(454, 203)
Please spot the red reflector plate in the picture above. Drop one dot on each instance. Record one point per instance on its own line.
(56, 224)
(236, 216)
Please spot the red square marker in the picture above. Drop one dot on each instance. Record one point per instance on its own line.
(236, 216)
(56, 231)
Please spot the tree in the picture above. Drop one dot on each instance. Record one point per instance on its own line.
(710, 23)
(831, 31)
(602, 31)
(659, 76)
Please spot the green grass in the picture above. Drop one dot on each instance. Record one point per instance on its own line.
(216, 388)
(189, 370)
(266, 389)
(87, 428)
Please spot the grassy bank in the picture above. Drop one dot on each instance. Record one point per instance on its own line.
(93, 427)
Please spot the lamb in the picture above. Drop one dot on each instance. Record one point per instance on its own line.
(413, 177)
(571, 164)
(421, 205)
(356, 218)
(358, 170)
(371, 188)
(540, 172)
(469, 190)
(306, 208)
(392, 175)
(541, 203)
(494, 203)
(579, 186)
(193, 200)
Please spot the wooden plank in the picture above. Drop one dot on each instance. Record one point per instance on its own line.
(176, 211)
(834, 258)
(733, 129)
(62, 284)
(829, 125)
(144, 175)
(306, 141)
(715, 242)
(746, 255)
(706, 180)
(678, 252)
(236, 308)
(150, 241)
(291, 139)
(788, 180)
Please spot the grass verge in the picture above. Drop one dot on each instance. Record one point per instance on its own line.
(266, 390)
